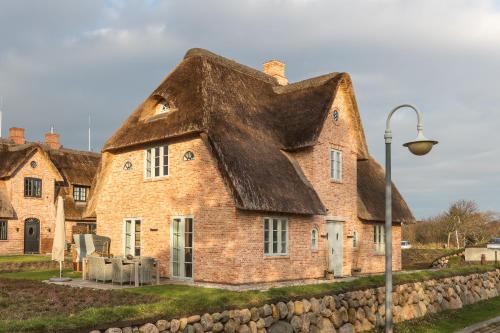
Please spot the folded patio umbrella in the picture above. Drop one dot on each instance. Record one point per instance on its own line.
(59, 242)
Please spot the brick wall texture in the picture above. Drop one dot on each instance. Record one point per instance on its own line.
(42, 208)
(228, 242)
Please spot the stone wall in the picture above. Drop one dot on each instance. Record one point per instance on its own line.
(442, 262)
(354, 311)
(32, 266)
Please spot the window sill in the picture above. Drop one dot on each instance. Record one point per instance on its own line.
(272, 257)
(33, 198)
(156, 179)
(335, 181)
(3, 240)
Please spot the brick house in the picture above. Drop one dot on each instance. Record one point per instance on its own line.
(231, 175)
(32, 175)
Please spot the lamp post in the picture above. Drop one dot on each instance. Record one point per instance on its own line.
(420, 146)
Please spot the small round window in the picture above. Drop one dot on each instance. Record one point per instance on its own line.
(31, 231)
(335, 116)
(33, 164)
(127, 166)
(188, 156)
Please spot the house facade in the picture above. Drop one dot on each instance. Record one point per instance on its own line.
(231, 175)
(32, 175)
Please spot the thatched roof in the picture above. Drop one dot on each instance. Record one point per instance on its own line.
(248, 121)
(74, 167)
(13, 156)
(371, 195)
(6, 209)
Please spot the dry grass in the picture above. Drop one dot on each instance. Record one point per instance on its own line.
(24, 299)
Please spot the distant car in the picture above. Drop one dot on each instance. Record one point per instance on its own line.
(494, 243)
(405, 245)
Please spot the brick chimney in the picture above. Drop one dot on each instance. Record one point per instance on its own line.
(16, 134)
(276, 69)
(52, 140)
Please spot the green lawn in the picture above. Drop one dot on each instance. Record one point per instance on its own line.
(40, 275)
(452, 320)
(178, 300)
(23, 258)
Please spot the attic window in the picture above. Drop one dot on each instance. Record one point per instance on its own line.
(188, 156)
(33, 164)
(162, 107)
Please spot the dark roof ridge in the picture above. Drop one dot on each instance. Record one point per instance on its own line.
(309, 83)
(231, 64)
(76, 151)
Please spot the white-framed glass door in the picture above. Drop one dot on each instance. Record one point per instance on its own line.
(182, 247)
(132, 237)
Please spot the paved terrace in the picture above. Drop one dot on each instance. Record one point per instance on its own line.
(80, 283)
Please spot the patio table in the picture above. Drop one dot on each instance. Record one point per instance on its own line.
(134, 262)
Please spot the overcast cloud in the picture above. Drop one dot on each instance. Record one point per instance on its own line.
(61, 60)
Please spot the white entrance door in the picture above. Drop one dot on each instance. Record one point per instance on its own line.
(335, 232)
(182, 247)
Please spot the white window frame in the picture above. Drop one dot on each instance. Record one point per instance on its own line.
(270, 242)
(181, 260)
(149, 168)
(314, 238)
(379, 238)
(81, 191)
(336, 161)
(132, 236)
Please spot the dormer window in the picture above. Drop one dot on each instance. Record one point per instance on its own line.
(80, 193)
(162, 107)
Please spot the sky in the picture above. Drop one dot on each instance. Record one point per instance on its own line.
(61, 61)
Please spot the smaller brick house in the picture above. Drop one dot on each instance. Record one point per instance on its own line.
(32, 175)
(231, 175)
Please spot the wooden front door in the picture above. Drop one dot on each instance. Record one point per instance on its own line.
(335, 231)
(32, 236)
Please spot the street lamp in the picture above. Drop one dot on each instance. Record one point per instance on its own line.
(420, 146)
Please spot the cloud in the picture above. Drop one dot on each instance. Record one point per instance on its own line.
(60, 61)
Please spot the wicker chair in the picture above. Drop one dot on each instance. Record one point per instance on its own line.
(121, 272)
(103, 269)
(91, 267)
(146, 270)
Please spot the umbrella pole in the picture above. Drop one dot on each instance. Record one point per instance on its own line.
(60, 269)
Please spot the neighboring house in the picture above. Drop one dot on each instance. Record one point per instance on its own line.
(230, 175)
(32, 175)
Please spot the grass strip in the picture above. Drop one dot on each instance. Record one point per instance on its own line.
(449, 321)
(181, 300)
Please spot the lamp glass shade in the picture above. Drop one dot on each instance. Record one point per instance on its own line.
(421, 145)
